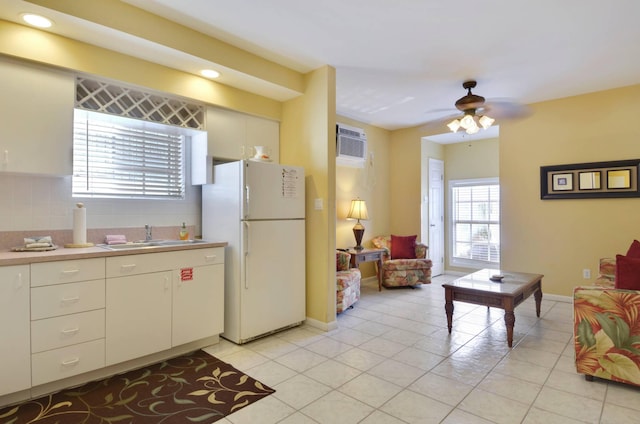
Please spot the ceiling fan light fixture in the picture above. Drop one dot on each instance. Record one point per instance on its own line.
(473, 129)
(454, 125)
(467, 122)
(486, 121)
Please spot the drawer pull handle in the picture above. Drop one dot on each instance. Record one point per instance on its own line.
(71, 271)
(70, 299)
(70, 362)
(210, 257)
(127, 267)
(70, 331)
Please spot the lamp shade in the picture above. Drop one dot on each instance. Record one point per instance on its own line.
(358, 210)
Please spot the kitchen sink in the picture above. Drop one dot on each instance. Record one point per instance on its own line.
(149, 244)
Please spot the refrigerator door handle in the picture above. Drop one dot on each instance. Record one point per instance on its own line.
(246, 201)
(246, 254)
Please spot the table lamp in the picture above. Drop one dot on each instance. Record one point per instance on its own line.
(358, 211)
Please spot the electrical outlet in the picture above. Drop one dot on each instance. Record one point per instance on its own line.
(586, 273)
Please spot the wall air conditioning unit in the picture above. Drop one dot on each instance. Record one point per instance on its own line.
(351, 146)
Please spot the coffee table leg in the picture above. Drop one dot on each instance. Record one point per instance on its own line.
(509, 318)
(448, 307)
(538, 296)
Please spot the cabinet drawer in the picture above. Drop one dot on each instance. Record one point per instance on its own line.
(198, 257)
(53, 333)
(121, 266)
(66, 362)
(64, 299)
(368, 257)
(47, 273)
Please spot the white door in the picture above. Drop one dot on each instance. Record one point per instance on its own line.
(436, 216)
(273, 280)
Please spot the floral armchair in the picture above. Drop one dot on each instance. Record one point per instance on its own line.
(607, 329)
(403, 271)
(347, 282)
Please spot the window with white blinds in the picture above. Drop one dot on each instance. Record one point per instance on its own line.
(118, 157)
(475, 222)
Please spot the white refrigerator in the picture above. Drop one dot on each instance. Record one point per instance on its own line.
(259, 209)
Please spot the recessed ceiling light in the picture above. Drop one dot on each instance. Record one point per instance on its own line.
(209, 73)
(36, 20)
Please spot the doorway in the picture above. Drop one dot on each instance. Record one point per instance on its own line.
(436, 216)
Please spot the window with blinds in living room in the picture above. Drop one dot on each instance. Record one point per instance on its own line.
(475, 222)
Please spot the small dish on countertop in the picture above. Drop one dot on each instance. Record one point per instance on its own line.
(496, 277)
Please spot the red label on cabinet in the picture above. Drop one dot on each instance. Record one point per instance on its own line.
(186, 274)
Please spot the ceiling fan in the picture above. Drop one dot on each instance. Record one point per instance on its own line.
(479, 113)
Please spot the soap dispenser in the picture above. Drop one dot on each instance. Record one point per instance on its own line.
(184, 234)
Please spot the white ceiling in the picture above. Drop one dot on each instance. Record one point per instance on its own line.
(401, 63)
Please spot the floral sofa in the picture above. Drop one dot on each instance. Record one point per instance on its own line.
(607, 329)
(404, 271)
(347, 282)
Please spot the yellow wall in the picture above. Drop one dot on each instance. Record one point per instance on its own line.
(307, 137)
(476, 159)
(371, 184)
(405, 180)
(560, 238)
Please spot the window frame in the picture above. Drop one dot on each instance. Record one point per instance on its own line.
(136, 125)
(464, 262)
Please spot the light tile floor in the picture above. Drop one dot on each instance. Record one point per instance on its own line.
(392, 361)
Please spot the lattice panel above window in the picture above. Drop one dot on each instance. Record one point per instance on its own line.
(108, 98)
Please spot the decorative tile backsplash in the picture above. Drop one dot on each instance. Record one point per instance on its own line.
(42, 205)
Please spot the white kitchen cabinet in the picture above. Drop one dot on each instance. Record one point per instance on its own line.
(159, 300)
(15, 364)
(67, 318)
(64, 321)
(138, 315)
(36, 135)
(198, 297)
(232, 135)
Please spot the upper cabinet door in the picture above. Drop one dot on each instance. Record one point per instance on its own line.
(36, 115)
(226, 133)
(233, 135)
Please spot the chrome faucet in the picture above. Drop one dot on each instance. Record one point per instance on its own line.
(147, 232)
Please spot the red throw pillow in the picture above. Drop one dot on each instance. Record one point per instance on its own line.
(627, 273)
(403, 247)
(634, 249)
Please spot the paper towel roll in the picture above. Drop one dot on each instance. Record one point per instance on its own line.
(80, 224)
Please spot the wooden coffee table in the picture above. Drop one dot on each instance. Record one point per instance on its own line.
(478, 289)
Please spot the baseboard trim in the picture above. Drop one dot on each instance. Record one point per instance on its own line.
(557, 298)
(324, 326)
